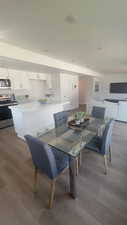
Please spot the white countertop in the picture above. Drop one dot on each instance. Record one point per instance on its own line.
(35, 106)
(8, 104)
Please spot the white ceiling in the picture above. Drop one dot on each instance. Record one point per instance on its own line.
(9, 63)
(95, 35)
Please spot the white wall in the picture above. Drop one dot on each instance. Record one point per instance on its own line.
(88, 96)
(106, 85)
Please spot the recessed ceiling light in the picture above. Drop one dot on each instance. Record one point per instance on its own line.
(99, 48)
(46, 50)
(2, 35)
(70, 19)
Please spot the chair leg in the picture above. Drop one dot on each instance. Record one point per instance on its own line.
(80, 158)
(105, 164)
(52, 193)
(77, 166)
(35, 179)
(110, 155)
(78, 163)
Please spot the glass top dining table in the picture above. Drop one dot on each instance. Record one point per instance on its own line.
(72, 142)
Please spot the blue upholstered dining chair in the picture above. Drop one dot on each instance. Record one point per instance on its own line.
(98, 112)
(47, 160)
(61, 118)
(102, 145)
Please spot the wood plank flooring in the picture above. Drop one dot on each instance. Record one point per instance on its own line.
(102, 199)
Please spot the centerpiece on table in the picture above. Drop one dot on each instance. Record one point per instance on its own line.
(80, 120)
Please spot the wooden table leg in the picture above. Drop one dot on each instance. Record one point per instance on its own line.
(72, 174)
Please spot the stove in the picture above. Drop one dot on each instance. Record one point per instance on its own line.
(5, 113)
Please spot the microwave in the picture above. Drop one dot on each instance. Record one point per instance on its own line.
(5, 83)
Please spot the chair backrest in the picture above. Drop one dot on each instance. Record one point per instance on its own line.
(98, 112)
(61, 118)
(107, 137)
(42, 156)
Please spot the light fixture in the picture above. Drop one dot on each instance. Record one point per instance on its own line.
(46, 50)
(70, 19)
(99, 48)
(2, 35)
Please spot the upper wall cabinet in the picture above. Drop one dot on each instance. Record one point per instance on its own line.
(53, 81)
(4, 73)
(37, 76)
(17, 79)
(69, 89)
(49, 81)
(41, 76)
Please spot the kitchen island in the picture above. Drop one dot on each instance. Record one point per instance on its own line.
(35, 118)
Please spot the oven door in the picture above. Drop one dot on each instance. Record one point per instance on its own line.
(5, 117)
(5, 113)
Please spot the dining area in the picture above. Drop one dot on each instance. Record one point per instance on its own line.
(62, 148)
(62, 176)
(63, 112)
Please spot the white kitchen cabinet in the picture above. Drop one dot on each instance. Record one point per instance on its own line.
(37, 88)
(4, 73)
(49, 81)
(117, 111)
(63, 87)
(122, 111)
(41, 76)
(18, 79)
(25, 81)
(53, 81)
(69, 89)
(55, 78)
(111, 109)
(32, 75)
(37, 76)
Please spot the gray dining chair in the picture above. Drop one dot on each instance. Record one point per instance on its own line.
(47, 160)
(102, 144)
(98, 112)
(61, 118)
